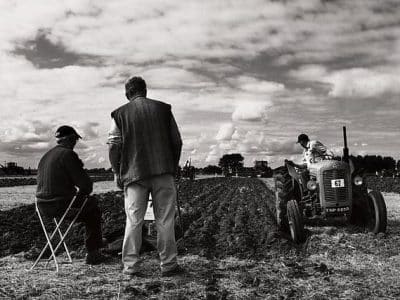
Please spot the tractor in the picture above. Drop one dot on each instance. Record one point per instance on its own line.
(329, 188)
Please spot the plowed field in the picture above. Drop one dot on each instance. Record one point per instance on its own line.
(220, 217)
(233, 252)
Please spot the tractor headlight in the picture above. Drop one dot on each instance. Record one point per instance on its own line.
(358, 180)
(312, 185)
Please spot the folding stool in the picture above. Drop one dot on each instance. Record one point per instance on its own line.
(49, 237)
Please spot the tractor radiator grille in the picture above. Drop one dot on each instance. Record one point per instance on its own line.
(339, 194)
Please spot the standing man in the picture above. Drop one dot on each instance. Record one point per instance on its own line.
(144, 150)
(60, 178)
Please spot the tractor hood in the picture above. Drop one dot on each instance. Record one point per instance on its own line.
(319, 167)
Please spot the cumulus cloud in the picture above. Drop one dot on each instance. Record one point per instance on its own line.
(90, 157)
(27, 140)
(212, 159)
(277, 147)
(236, 135)
(88, 130)
(251, 112)
(225, 132)
(30, 131)
(362, 83)
(213, 154)
(39, 146)
(172, 77)
(189, 144)
(309, 72)
(247, 148)
(255, 85)
(351, 83)
(225, 146)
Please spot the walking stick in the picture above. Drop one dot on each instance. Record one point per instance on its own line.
(180, 216)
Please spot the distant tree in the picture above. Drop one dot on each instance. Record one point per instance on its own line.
(388, 163)
(212, 169)
(231, 163)
(375, 163)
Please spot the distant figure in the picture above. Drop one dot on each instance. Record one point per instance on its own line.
(144, 150)
(60, 177)
(313, 152)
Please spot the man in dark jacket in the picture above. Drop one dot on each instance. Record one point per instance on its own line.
(61, 177)
(144, 149)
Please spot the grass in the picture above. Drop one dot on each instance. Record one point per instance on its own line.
(336, 262)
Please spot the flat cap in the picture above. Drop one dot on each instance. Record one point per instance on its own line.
(65, 130)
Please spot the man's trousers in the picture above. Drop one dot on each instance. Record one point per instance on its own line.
(90, 216)
(163, 192)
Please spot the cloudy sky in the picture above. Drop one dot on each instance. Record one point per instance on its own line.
(241, 76)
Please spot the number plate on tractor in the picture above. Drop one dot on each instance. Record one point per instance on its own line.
(337, 209)
(337, 183)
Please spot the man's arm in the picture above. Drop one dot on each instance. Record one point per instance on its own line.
(318, 148)
(114, 155)
(114, 146)
(176, 141)
(300, 166)
(114, 151)
(79, 176)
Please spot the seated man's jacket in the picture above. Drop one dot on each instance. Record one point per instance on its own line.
(60, 173)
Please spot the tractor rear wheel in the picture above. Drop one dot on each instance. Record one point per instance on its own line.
(283, 194)
(295, 220)
(377, 218)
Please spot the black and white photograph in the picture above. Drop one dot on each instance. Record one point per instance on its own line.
(214, 149)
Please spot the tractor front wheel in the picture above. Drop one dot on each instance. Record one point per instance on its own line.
(283, 194)
(295, 220)
(377, 219)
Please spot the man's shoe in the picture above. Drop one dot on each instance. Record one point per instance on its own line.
(95, 258)
(178, 270)
(132, 273)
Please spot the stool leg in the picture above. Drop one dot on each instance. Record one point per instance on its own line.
(45, 247)
(51, 236)
(65, 245)
(63, 236)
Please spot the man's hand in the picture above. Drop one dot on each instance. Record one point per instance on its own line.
(118, 182)
(289, 162)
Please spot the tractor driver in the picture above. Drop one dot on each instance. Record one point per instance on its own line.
(313, 151)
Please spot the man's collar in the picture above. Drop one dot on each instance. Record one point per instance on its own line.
(136, 96)
(64, 146)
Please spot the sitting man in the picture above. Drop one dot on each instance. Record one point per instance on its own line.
(313, 152)
(60, 178)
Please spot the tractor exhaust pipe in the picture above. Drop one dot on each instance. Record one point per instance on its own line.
(345, 149)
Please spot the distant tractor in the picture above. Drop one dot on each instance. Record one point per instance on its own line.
(11, 168)
(327, 189)
(262, 169)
